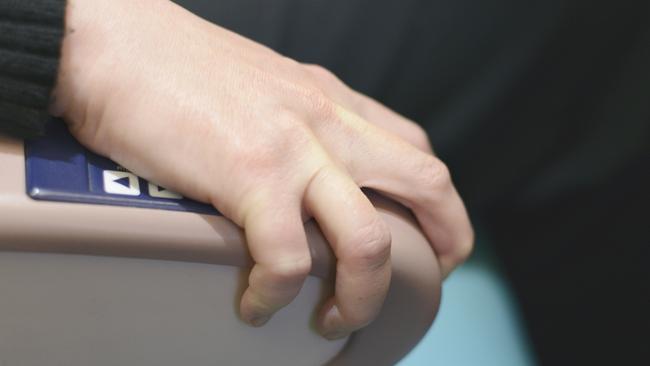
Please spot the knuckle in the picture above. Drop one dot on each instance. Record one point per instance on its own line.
(464, 248)
(421, 138)
(289, 271)
(433, 176)
(319, 105)
(321, 73)
(288, 62)
(371, 245)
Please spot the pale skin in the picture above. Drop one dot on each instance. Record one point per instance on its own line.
(270, 142)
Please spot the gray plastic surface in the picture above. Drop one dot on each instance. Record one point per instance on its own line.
(84, 310)
(100, 285)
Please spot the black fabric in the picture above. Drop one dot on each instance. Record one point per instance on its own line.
(542, 111)
(30, 41)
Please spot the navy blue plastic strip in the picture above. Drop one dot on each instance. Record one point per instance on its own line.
(58, 168)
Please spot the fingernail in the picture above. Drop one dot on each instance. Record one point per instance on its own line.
(258, 321)
(332, 317)
(331, 321)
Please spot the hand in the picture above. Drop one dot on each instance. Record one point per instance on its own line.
(269, 142)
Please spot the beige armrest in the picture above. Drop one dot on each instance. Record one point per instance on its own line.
(121, 232)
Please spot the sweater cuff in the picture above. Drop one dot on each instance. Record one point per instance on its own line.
(31, 33)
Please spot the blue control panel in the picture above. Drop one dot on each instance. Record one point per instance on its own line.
(58, 168)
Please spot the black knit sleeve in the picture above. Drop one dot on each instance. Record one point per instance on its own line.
(31, 32)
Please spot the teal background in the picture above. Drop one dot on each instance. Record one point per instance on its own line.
(478, 322)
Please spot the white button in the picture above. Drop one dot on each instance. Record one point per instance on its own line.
(123, 183)
(160, 192)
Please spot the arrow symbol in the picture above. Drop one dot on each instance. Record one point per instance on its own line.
(126, 182)
(122, 183)
(160, 192)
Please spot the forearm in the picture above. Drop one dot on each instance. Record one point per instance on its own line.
(30, 41)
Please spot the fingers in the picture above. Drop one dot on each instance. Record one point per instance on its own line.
(423, 183)
(278, 245)
(382, 161)
(361, 243)
(370, 109)
(382, 116)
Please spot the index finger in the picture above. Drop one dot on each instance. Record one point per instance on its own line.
(370, 109)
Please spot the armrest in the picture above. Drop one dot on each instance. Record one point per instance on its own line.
(52, 227)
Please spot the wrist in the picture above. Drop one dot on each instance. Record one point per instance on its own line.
(81, 48)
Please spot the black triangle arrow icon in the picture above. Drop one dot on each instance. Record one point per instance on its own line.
(124, 181)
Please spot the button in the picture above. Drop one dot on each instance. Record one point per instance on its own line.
(160, 192)
(123, 183)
